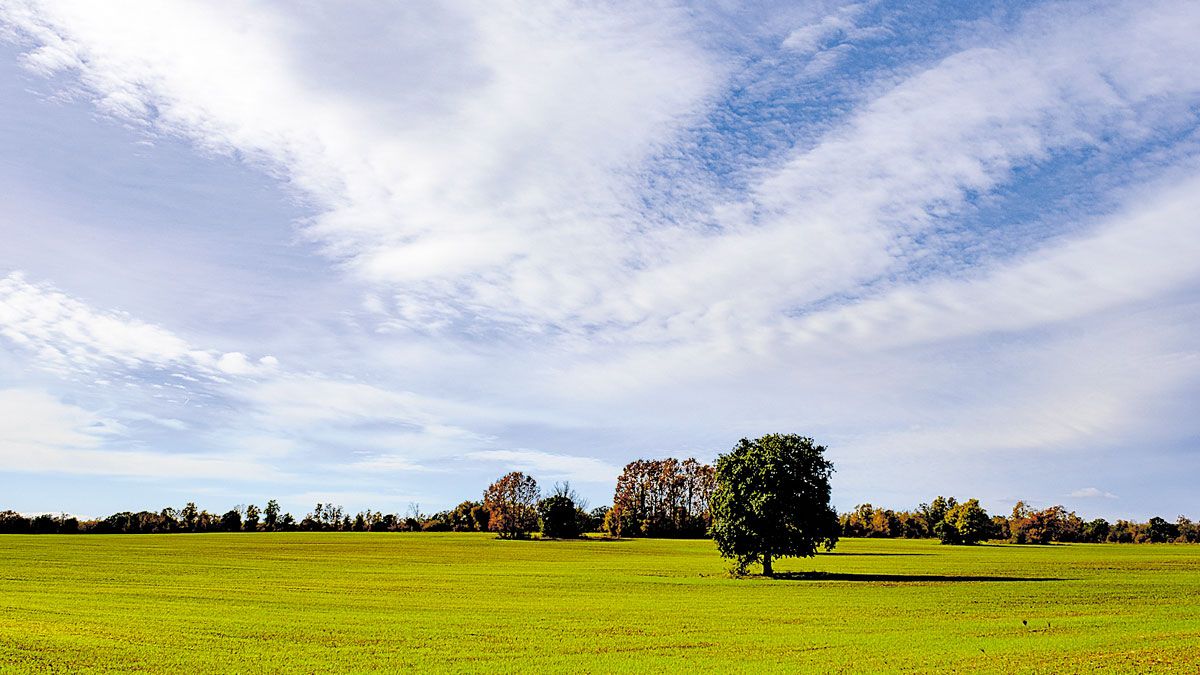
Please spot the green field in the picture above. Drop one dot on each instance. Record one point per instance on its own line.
(387, 602)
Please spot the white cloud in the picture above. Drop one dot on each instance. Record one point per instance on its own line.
(66, 334)
(506, 170)
(367, 498)
(41, 434)
(848, 211)
(35, 421)
(445, 197)
(299, 401)
(1138, 254)
(1091, 492)
(828, 41)
(236, 363)
(550, 466)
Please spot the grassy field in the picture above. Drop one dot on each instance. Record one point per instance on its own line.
(387, 602)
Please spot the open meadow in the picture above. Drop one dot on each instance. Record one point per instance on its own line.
(318, 602)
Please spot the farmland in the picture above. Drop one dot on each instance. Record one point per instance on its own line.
(310, 602)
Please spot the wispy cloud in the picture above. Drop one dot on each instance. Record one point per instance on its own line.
(550, 465)
(39, 433)
(1091, 493)
(63, 333)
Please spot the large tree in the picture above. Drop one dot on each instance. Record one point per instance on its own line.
(772, 501)
(512, 505)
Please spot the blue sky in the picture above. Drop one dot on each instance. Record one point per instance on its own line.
(382, 255)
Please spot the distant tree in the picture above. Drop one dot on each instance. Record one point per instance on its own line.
(1018, 522)
(468, 516)
(1161, 531)
(559, 513)
(772, 500)
(189, 516)
(231, 521)
(965, 523)
(251, 522)
(360, 523)
(1096, 531)
(372, 520)
(170, 519)
(857, 522)
(1189, 531)
(326, 517)
(480, 517)
(68, 524)
(935, 512)
(597, 517)
(512, 504)
(867, 521)
(1000, 528)
(288, 522)
(43, 524)
(12, 522)
(1038, 527)
(271, 516)
(662, 497)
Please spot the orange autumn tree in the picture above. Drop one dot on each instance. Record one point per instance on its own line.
(512, 504)
(661, 498)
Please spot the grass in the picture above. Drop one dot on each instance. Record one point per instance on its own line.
(455, 602)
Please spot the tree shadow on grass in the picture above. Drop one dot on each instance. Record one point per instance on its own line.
(839, 553)
(898, 578)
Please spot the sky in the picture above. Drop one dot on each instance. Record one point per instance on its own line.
(380, 254)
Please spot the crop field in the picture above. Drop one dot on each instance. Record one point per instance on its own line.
(468, 602)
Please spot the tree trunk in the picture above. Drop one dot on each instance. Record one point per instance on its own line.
(767, 571)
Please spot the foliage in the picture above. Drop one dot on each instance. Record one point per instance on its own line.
(251, 522)
(964, 523)
(772, 500)
(271, 514)
(1161, 531)
(561, 515)
(232, 520)
(512, 505)
(598, 519)
(661, 498)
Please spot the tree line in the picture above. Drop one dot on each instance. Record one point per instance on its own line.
(468, 516)
(653, 498)
(955, 522)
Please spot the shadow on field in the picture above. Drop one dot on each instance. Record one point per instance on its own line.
(836, 553)
(901, 578)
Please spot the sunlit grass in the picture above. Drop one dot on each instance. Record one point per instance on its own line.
(385, 602)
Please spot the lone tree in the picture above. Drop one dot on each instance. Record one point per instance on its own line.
(772, 500)
(512, 504)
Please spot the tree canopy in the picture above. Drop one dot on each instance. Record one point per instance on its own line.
(772, 500)
(512, 505)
